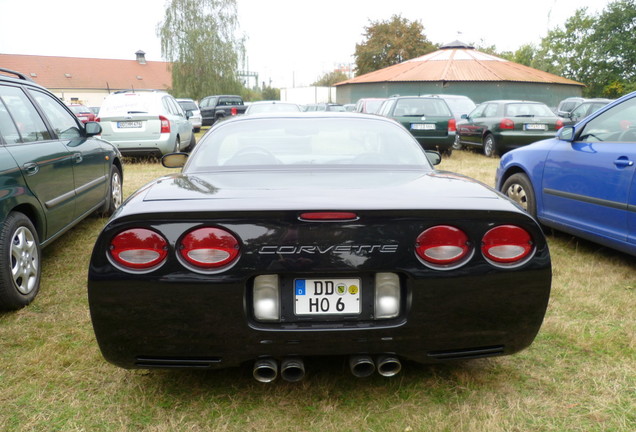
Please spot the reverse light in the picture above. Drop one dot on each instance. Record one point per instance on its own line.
(506, 124)
(452, 125)
(165, 124)
(443, 246)
(138, 249)
(266, 298)
(506, 245)
(208, 248)
(387, 295)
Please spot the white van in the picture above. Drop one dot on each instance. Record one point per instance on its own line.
(145, 122)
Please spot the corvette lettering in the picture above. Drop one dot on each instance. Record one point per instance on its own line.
(321, 250)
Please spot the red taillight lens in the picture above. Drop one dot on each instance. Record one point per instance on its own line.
(209, 248)
(452, 125)
(506, 244)
(506, 124)
(442, 245)
(233, 111)
(97, 119)
(165, 124)
(559, 124)
(138, 248)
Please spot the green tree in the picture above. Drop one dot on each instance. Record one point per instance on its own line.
(331, 78)
(390, 42)
(199, 38)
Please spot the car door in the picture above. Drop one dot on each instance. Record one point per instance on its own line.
(184, 126)
(472, 129)
(587, 182)
(87, 154)
(44, 161)
(207, 107)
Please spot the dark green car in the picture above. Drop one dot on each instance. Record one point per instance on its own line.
(429, 119)
(54, 172)
(501, 125)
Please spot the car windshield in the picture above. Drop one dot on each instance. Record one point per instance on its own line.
(307, 142)
(418, 107)
(527, 110)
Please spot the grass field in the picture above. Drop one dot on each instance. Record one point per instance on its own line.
(579, 375)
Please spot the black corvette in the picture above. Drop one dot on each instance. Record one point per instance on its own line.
(296, 235)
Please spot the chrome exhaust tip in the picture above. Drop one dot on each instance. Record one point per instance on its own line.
(292, 369)
(361, 366)
(388, 365)
(265, 370)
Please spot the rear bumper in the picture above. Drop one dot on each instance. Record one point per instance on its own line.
(146, 323)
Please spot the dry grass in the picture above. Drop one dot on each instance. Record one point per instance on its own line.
(579, 375)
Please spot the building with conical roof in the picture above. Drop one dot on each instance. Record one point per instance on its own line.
(457, 68)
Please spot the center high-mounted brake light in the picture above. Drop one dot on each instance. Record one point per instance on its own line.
(328, 216)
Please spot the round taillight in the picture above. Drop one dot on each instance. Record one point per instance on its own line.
(442, 245)
(209, 248)
(139, 249)
(506, 244)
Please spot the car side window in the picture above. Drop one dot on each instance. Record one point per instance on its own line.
(8, 130)
(30, 125)
(615, 125)
(490, 110)
(64, 123)
(477, 112)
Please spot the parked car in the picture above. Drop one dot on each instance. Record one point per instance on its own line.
(54, 172)
(501, 125)
(192, 112)
(584, 109)
(145, 123)
(369, 105)
(566, 106)
(582, 181)
(429, 119)
(459, 105)
(214, 108)
(271, 106)
(325, 107)
(314, 234)
(84, 113)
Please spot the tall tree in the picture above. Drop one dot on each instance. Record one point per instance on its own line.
(199, 38)
(390, 42)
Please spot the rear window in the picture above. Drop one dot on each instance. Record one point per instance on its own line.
(130, 103)
(230, 101)
(421, 107)
(527, 110)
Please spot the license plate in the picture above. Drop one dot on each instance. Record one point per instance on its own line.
(536, 126)
(423, 126)
(128, 124)
(327, 296)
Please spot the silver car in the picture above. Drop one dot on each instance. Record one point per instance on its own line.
(192, 112)
(145, 122)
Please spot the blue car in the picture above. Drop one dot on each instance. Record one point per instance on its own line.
(582, 181)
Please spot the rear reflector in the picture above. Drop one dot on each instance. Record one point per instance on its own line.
(328, 216)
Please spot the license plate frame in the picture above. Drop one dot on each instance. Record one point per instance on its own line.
(423, 126)
(129, 125)
(536, 127)
(327, 296)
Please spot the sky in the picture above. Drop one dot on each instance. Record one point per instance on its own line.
(290, 43)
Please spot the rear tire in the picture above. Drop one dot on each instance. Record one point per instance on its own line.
(518, 188)
(490, 147)
(115, 193)
(20, 262)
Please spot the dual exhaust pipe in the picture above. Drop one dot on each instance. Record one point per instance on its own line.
(292, 369)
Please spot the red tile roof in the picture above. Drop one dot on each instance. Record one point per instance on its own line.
(459, 65)
(89, 73)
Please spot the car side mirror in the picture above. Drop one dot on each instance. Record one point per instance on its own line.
(92, 128)
(566, 133)
(174, 160)
(433, 157)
